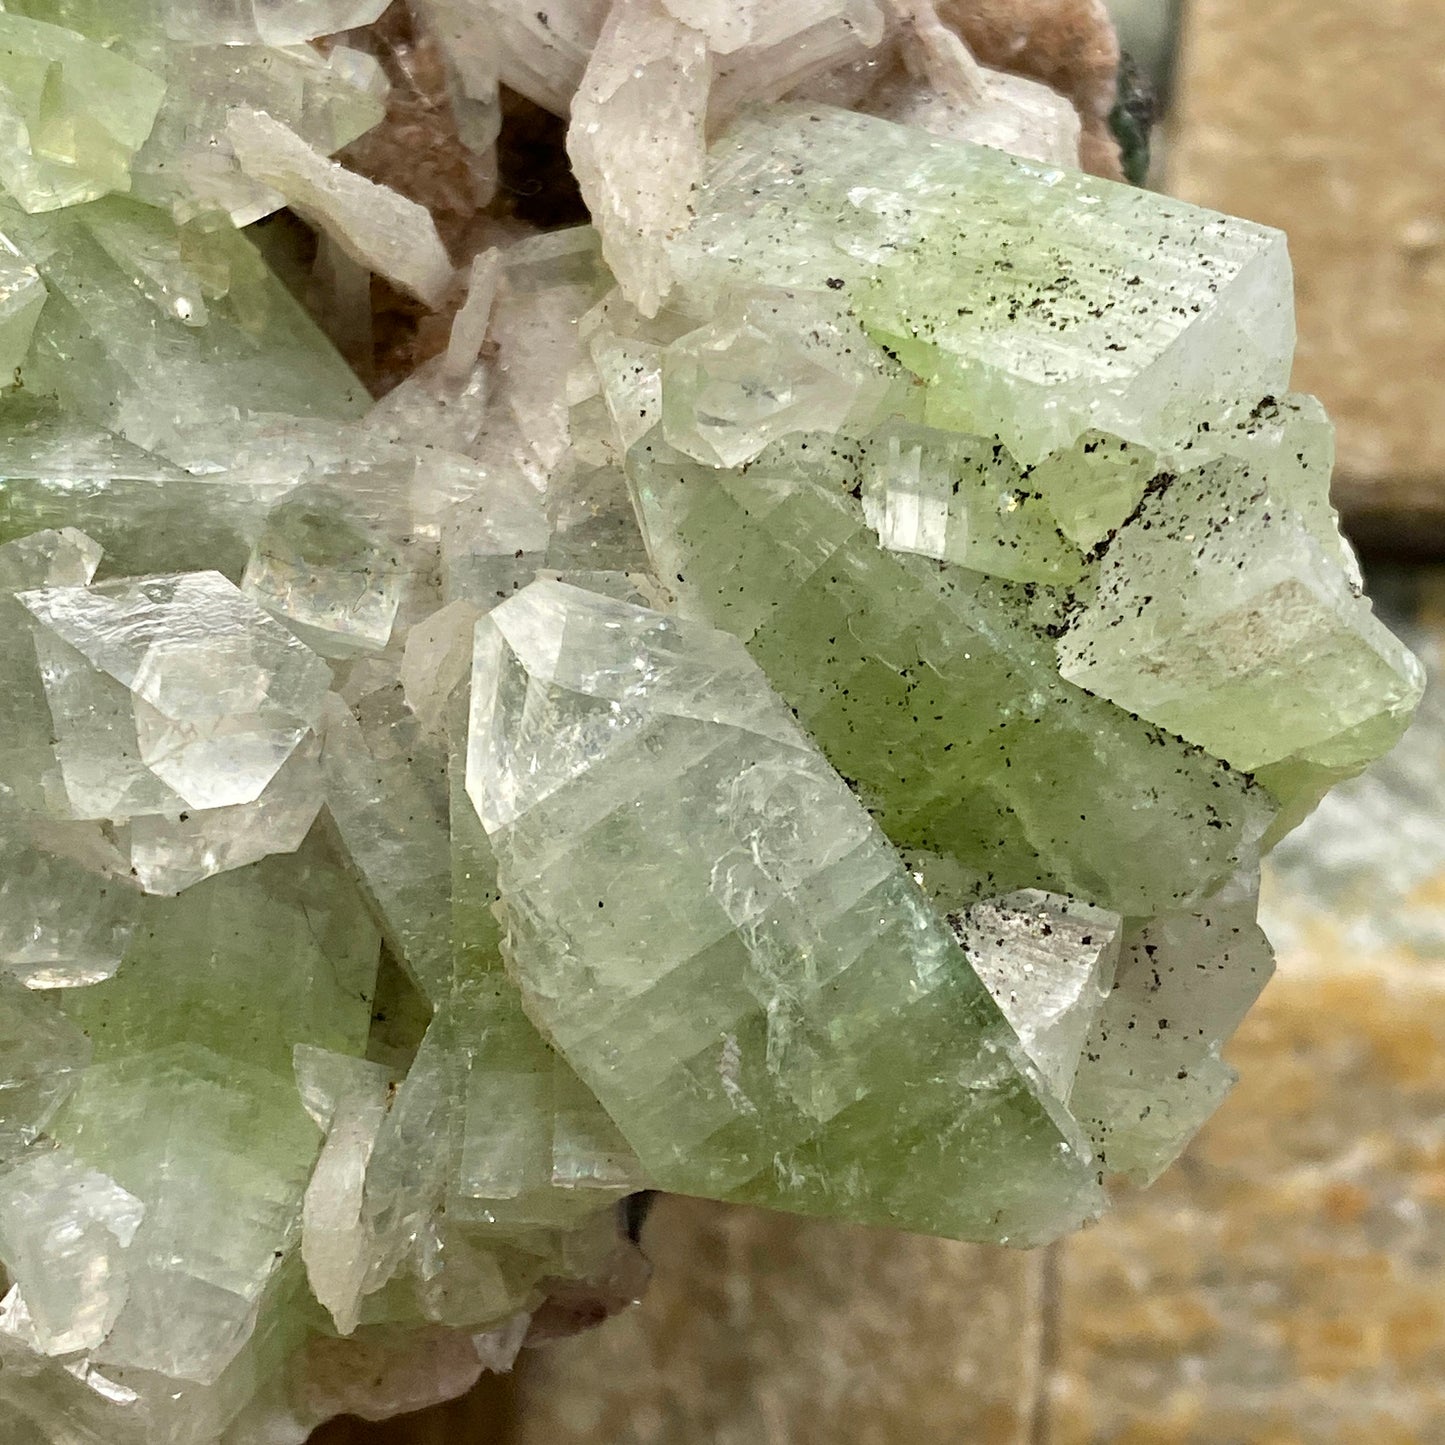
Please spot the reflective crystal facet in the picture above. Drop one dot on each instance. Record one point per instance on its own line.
(170, 692)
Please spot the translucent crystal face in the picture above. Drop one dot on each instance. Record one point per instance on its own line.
(170, 688)
(785, 704)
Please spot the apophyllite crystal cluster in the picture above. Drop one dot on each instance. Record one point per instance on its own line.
(785, 704)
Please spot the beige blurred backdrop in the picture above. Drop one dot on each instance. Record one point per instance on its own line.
(1284, 1284)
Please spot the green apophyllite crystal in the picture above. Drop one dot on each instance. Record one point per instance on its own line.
(935, 690)
(799, 725)
(73, 114)
(1036, 303)
(760, 996)
(118, 341)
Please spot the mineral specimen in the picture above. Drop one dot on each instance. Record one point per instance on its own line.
(784, 701)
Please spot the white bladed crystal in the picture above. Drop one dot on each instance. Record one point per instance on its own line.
(469, 329)
(373, 224)
(1012, 114)
(636, 140)
(347, 1098)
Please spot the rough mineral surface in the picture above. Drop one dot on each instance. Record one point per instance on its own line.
(784, 700)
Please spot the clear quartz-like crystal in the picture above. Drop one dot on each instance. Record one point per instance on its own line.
(1049, 964)
(64, 1230)
(170, 692)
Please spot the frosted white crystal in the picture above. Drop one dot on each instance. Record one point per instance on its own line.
(729, 25)
(1151, 1071)
(170, 691)
(816, 39)
(375, 225)
(348, 1098)
(636, 140)
(189, 165)
(1012, 113)
(540, 50)
(469, 328)
(551, 282)
(937, 55)
(63, 1232)
(1049, 963)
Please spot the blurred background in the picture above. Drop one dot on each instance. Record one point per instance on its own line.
(1284, 1284)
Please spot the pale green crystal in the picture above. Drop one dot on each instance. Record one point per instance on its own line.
(800, 1005)
(315, 1082)
(218, 1152)
(22, 294)
(386, 793)
(935, 691)
(964, 500)
(1024, 295)
(72, 115)
(249, 964)
(1220, 616)
(129, 361)
(42, 1056)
